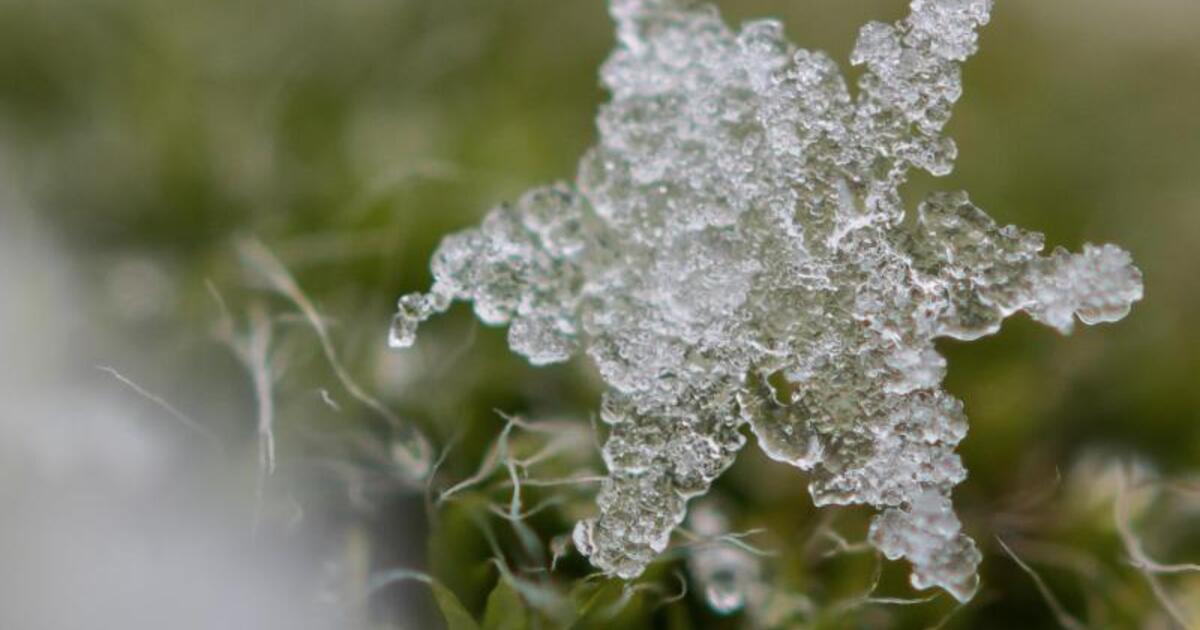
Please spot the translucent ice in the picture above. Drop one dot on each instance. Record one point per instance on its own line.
(734, 251)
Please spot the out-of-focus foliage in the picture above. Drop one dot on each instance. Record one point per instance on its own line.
(146, 138)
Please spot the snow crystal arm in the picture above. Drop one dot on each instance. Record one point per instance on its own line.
(882, 433)
(929, 535)
(885, 458)
(637, 515)
(519, 266)
(912, 79)
(989, 272)
(656, 462)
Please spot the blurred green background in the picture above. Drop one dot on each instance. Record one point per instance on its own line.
(146, 136)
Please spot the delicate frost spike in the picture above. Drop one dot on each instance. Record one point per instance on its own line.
(734, 251)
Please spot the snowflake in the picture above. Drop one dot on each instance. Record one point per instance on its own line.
(735, 250)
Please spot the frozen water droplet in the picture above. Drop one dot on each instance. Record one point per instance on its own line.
(412, 310)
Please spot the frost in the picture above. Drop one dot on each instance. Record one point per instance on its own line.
(735, 251)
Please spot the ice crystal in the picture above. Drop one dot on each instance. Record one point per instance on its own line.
(735, 251)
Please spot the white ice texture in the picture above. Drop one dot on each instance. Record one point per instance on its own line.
(735, 250)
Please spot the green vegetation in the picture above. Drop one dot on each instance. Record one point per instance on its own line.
(152, 141)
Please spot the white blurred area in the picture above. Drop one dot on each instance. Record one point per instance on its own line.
(100, 525)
